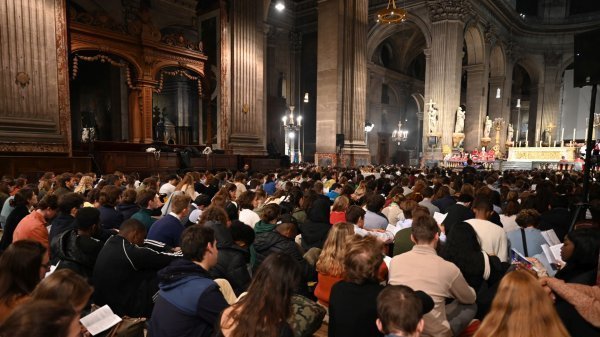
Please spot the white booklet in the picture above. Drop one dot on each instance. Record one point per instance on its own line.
(550, 237)
(439, 217)
(393, 228)
(552, 253)
(101, 319)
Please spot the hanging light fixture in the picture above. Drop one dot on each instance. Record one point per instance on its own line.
(391, 14)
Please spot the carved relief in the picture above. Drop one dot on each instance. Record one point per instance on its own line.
(490, 34)
(22, 79)
(440, 10)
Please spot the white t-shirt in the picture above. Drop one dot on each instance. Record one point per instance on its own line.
(509, 223)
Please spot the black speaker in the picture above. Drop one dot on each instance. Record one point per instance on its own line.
(339, 140)
(587, 56)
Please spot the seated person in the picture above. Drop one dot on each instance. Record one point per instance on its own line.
(232, 263)
(148, 201)
(189, 301)
(169, 228)
(125, 272)
(418, 267)
(77, 249)
(400, 311)
(353, 301)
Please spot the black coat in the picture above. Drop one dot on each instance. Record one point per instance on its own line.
(124, 276)
(12, 221)
(232, 265)
(316, 227)
(76, 252)
(457, 213)
(110, 218)
(127, 210)
(61, 224)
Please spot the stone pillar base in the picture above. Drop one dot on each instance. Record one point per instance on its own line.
(247, 145)
(355, 156)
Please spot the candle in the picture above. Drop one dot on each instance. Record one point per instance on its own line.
(549, 140)
(519, 143)
(562, 135)
(574, 134)
(540, 143)
(526, 137)
(554, 143)
(585, 135)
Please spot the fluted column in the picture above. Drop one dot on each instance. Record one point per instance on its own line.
(446, 62)
(475, 107)
(247, 50)
(551, 113)
(342, 79)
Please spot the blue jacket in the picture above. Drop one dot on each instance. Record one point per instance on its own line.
(189, 303)
(109, 217)
(167, 230)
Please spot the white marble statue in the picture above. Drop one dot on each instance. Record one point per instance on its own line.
(488, 127)
(433, 119)
(511, 133)
(460, 121)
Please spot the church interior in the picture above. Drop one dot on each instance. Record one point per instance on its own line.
(151, 85)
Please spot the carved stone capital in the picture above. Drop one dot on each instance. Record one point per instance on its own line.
(490, 34)
(440, 10)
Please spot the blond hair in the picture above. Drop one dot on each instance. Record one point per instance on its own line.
(518, 297)
(331, 260)
(340, 204)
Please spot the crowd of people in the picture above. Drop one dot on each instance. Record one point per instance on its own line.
(370, 251)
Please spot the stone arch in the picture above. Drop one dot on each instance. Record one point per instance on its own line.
(497, 61)
(419, 101)
(531, 67)
(475, 45)
(379, 33)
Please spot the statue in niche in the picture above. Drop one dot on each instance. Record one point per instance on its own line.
(460, 120)
(433, 119)
(488, 127)
(511, 132)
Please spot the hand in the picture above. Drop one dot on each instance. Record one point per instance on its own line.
(544, 283)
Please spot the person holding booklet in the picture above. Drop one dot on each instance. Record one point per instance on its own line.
(528, 240)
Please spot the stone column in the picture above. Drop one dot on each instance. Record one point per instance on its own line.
(247, 50)
(342, 79)
(35, 113)
(446, 62)
(551, 94)
(476, 103)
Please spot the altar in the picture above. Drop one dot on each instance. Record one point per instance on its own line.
(545, 154)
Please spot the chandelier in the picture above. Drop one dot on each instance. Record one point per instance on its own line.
(391, 14)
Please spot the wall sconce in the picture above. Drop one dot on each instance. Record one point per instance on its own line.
(498, 93)
(306, 97)
(518, 102)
